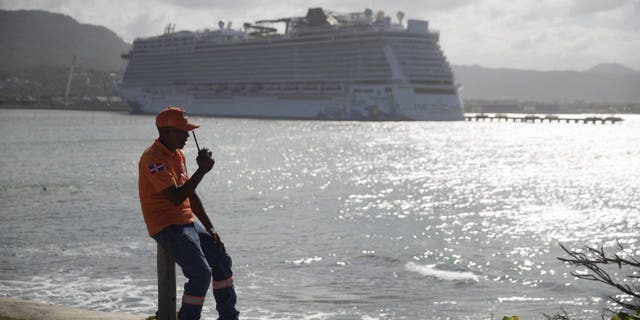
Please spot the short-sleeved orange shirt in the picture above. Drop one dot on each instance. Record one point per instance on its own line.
(159, 169)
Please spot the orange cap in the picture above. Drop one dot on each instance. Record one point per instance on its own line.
(174, 117)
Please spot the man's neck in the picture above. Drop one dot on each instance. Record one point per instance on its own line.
(166, 145)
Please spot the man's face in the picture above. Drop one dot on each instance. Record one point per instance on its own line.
(177, 138)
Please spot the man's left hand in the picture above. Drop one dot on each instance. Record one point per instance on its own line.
(217, 241)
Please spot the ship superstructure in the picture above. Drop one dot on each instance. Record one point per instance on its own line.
(355, 66)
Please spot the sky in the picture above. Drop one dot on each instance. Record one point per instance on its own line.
(521, 34)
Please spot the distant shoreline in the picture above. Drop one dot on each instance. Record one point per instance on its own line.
(59, 107)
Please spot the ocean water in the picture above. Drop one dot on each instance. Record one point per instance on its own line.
(326, 220)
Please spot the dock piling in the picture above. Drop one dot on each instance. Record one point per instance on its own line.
(166, 285)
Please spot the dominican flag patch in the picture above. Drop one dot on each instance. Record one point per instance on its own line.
(155, 168)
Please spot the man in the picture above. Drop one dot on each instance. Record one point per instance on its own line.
(169, 203)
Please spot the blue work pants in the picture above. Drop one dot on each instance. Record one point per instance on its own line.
(202, 263)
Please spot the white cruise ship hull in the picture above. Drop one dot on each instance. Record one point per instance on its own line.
(355, 103)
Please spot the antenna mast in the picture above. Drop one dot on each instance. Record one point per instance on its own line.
(66, 91)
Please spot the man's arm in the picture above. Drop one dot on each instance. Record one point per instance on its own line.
(176, 194)
(198, 210)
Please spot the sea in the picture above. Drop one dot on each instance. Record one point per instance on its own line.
(328, 220)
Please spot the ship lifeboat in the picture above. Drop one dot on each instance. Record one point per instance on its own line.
(290, 88)
(205, 88)
(271, 88)
(222, 89)
(198, 88)
(254, 88)
(239, 88)
(309, 88)
(331, 88)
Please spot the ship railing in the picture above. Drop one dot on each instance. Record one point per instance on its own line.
(300, 87)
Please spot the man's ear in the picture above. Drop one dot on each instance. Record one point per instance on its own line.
(163, 131)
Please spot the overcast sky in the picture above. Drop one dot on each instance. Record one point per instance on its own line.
(523, 34)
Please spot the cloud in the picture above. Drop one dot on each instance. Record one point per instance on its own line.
(580, 7)
(527, 43)
(145, 24)
(200, 14)
(538, 35)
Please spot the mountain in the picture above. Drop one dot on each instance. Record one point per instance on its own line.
(592, 86)
(34, 38)
(612, 68)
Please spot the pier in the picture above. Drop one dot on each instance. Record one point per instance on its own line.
(18, 309)
(537, 118)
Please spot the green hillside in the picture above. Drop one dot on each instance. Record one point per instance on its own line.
(39, 38)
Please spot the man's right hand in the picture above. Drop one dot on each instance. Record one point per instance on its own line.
(205, 160)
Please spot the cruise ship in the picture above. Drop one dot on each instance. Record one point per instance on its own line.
(324, 65)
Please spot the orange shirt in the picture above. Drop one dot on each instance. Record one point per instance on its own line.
(159, 169)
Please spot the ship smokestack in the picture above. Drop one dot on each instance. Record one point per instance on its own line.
(400, 16)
